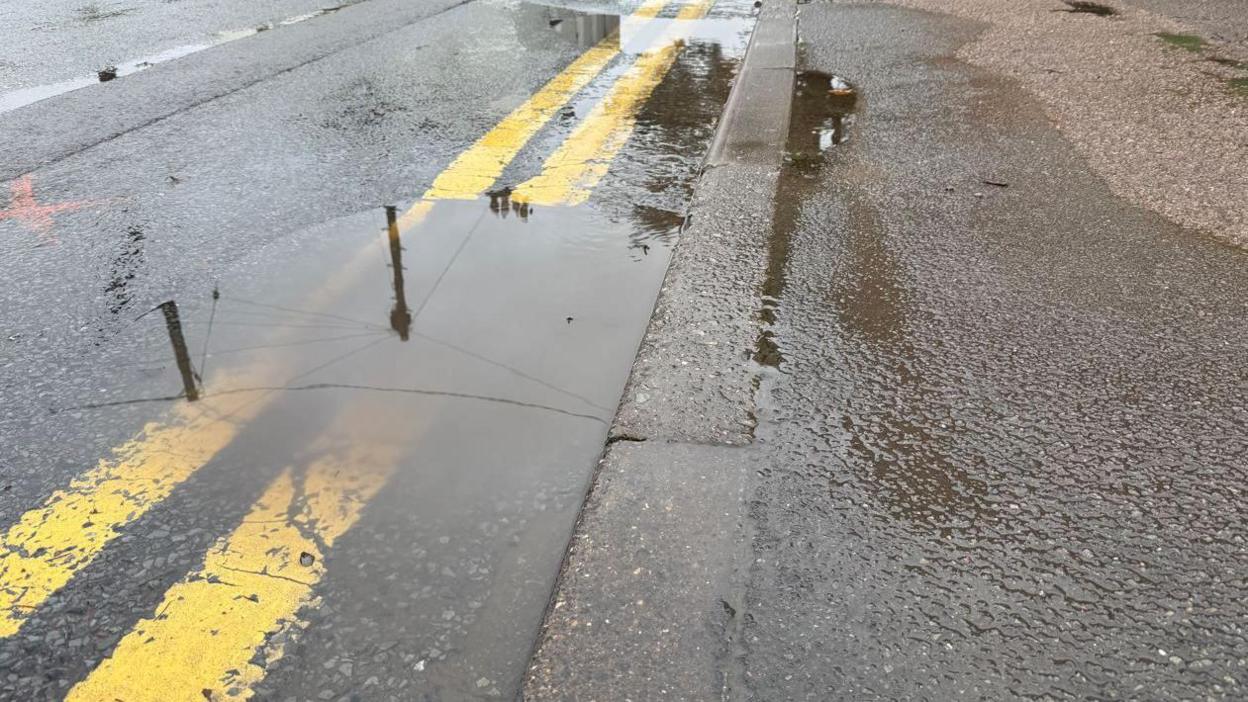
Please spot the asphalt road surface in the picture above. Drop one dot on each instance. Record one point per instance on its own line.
(314, 323)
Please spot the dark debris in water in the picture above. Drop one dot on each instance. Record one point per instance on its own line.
(1089, 8)
(503, 206)
(107, 73)
(88, 14)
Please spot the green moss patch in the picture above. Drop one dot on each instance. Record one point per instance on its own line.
(1190, 42)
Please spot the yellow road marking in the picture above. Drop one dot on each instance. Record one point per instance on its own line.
(48, 545)
(44, 549)
(216, 632)
(571, 172)
(649, 9)
(475, 170)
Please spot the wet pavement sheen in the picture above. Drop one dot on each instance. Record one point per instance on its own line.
(1006, 423)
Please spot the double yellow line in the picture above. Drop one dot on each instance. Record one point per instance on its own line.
(211, 626)
(220, 628)
(571, 172)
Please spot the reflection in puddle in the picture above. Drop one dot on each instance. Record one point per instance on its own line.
(400, 316)
(827, 103)
(173, 322)
(540, 26)
(1090, 8)
(840, 103)
(822, 111)
(538, 23)
(584, 29)
(502, 206)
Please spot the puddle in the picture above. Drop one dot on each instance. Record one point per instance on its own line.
(22, 97)
(1090, 8)
(467, 267)
(906, 466)
(823, 112)
(486, 350)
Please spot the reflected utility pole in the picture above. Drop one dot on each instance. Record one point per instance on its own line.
(174, 324)
(400, 317)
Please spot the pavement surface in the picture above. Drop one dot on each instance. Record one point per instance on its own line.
(1028, 435)
(1219, 20)
(996, 446)
(313, 334)
(1151, 101)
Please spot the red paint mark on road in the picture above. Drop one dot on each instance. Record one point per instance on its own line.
(36, 217)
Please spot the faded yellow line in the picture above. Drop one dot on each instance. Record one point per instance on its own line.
(217, 631)
(476, 170)
(571, 172)
(48, 545)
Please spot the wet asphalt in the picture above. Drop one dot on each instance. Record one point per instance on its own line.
(248, 183)
(1003, 410)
